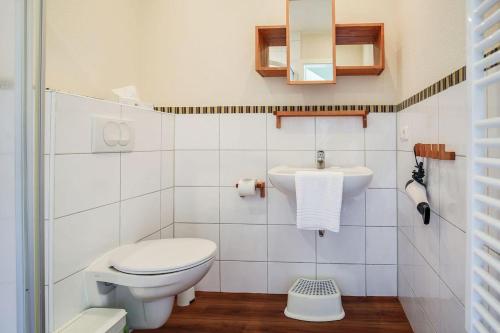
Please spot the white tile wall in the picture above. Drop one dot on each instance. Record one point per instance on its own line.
(406, 163)
(167, 207)
(73, 121)
(101, 200)
(140, 217)
(383, 165)
(453, 177)
(281, 276)
(85, 181)
(199, 230)
(197, 204)
(299, 158)
(406, 213)
(245, 277)
(147, 128)
(427, 289)
(69, 299)
(236, 165)
(281, 209)
(452, 312)
(381, 245)
(349, 278)
(260, 249)
(288, 244)
(347, 246)
(452, 251)
(431, 258)
(243, 242)
(243, 132)
(196, 168)
(199, 132)
(339, 134)
(140, 173)
(80, 238)
(167, 232)
(427, 238)
(345, 158)
(453, 115)
(153, 236)
(381, 208)
(381, 132)
(294, 134)
(167, 132)
(167, 169)
(245, 210)
(381, 280)
(253, 230)
(353, 210)
(211, 281)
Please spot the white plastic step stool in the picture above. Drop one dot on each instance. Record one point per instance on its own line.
(97, 320)
(314, 300)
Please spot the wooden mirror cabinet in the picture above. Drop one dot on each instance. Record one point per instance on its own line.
(357, 48)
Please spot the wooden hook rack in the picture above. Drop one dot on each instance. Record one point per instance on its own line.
(353, 113)
(434, 151)
(260, 185)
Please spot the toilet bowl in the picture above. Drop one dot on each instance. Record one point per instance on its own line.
(144, 278)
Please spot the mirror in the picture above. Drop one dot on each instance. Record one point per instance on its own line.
(355, 55)
(311, 40)
(277, 56)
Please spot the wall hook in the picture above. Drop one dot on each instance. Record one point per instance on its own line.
(434, 151)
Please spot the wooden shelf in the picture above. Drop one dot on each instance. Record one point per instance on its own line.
(346, 34)
(265, 37)
(354, 113)
(272, 71)
(434, 151)
(362, 33)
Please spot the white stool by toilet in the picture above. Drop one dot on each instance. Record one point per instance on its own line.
(144, 278)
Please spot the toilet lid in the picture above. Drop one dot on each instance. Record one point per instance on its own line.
(163, 256)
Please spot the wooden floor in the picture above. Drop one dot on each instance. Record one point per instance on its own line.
(257, 313)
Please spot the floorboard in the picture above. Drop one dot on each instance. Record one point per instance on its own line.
(259, 313)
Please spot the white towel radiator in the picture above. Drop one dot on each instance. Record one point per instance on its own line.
(483, 76)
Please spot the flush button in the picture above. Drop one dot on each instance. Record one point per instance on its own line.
(112, 135)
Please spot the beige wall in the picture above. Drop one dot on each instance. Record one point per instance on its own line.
(204, 55)
(91, 46)
(432, 42)
(192, 52)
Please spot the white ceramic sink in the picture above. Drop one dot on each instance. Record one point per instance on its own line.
(356, 179)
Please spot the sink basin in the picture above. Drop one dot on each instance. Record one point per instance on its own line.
(356, 179)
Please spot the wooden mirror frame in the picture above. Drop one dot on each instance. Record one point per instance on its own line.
(289, 48)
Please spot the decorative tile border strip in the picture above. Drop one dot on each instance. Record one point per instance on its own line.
(271, 109)
(440, 86)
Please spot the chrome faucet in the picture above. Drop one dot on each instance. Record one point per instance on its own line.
(320, 159)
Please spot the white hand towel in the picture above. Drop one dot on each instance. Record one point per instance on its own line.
(319, 199)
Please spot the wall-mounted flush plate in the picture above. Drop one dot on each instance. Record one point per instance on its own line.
(404, 133)
(112, 135)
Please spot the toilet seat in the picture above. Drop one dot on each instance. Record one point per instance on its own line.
(162, 256)
(144, 278)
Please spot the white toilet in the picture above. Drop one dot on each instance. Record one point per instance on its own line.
(144, 278)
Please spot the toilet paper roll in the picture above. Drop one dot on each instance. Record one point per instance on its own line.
(246, 187)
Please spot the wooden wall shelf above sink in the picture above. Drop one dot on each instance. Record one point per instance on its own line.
(362, 34)
(346, 34)
(353, 113)
(266, 37)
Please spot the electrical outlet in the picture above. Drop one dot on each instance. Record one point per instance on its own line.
(404, 133)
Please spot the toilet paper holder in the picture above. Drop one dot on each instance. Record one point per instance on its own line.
(261, 185)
